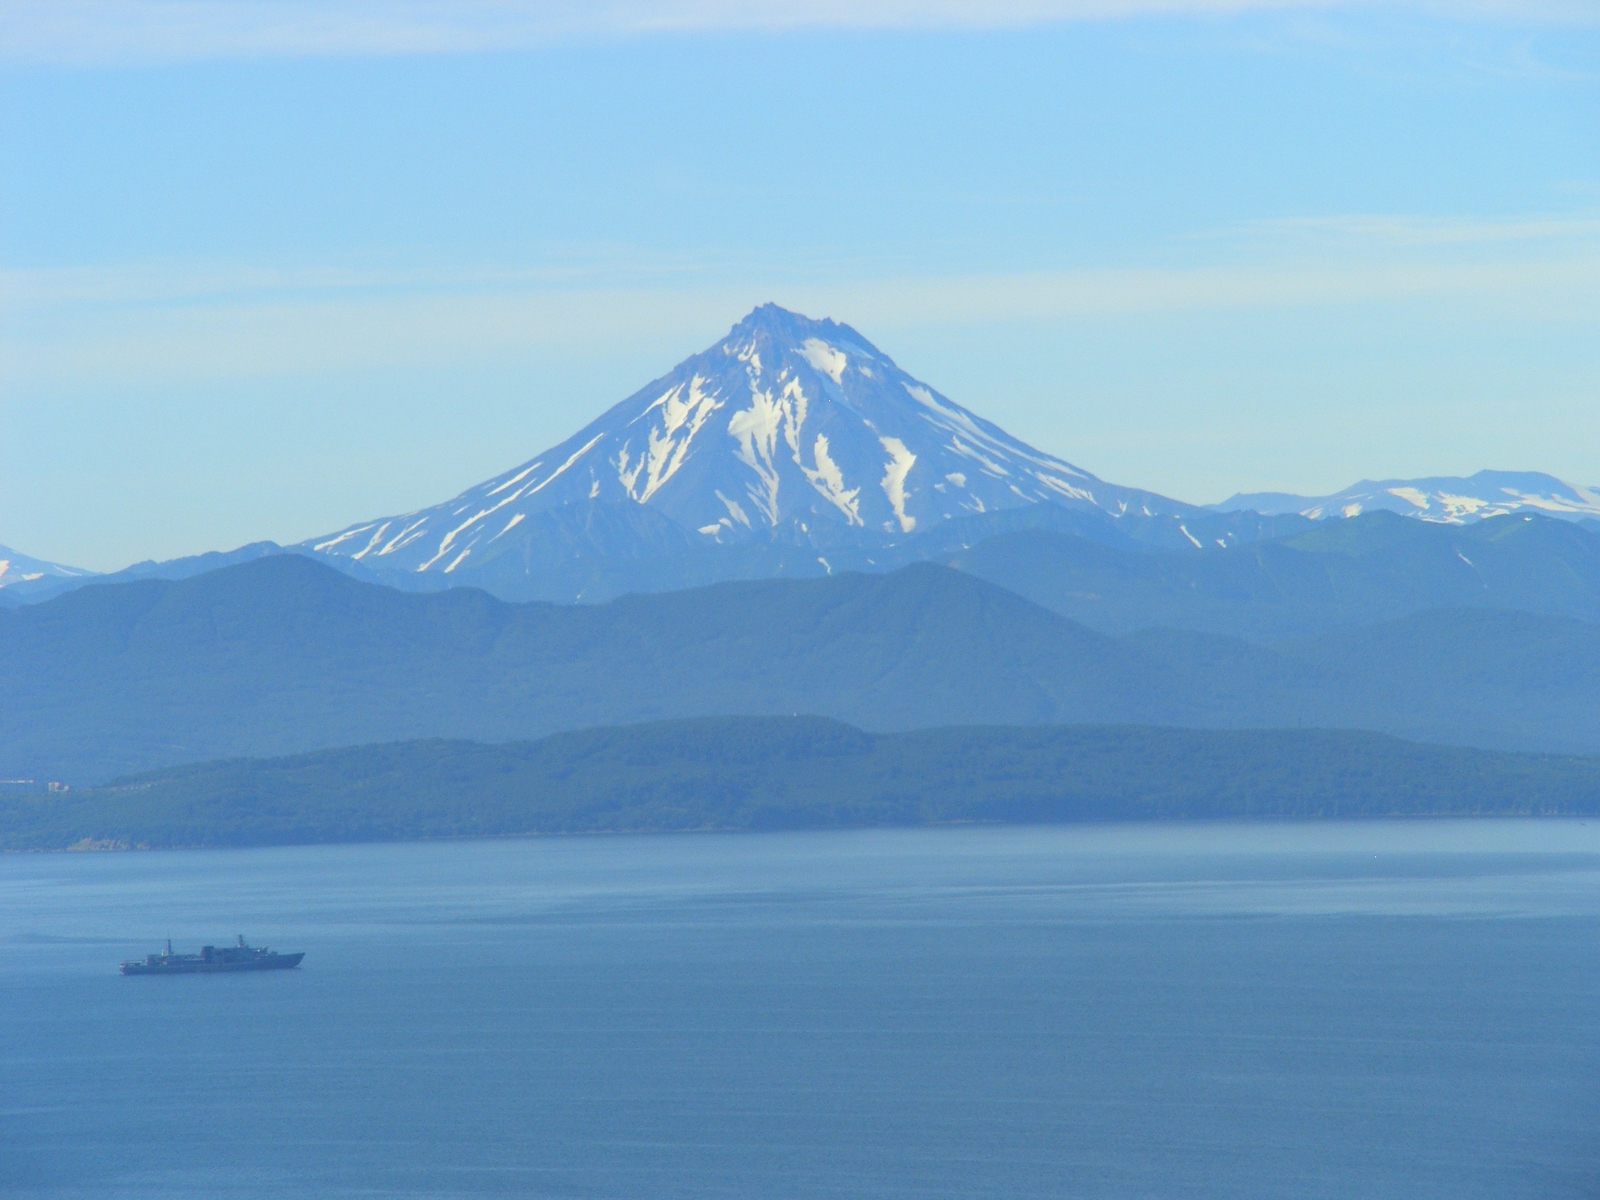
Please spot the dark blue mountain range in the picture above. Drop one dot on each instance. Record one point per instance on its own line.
(282, 655)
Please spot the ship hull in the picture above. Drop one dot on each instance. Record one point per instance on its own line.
(275, 962)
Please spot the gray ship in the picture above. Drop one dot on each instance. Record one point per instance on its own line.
(212, 958)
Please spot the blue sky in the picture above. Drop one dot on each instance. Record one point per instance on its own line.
(268, 269)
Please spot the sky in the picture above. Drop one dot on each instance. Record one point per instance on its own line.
(270, 268)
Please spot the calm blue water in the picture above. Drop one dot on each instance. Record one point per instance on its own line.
(1404, 1010)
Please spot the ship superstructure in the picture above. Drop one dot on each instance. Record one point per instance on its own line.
(241, 957)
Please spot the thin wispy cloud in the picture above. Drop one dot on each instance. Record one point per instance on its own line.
(154, 325)
(91, 32)
(185, 283)
(1401, 231)
(1395, 245)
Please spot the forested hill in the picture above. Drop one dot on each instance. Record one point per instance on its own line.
(794, 773)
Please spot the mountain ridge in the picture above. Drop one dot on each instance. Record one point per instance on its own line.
(23, 578)
(1445, 499)
(1373, 567)
(283, 655)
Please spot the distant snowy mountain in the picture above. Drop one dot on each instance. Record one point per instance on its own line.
(23, 578)
(1450, 499)
(788, 435)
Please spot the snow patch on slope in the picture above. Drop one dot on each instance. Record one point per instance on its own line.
(682, 417)
(756, 430)
(734, 510)
(894, 480)
(825, 358)
(828, 479)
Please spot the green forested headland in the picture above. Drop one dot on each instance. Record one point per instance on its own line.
(749, 773)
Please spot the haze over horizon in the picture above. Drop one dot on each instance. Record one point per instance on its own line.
(799, 599)
(268, 275)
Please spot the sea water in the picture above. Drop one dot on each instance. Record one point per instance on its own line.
(1374, 1010)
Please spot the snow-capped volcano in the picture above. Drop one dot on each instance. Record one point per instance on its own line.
(788, 430)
